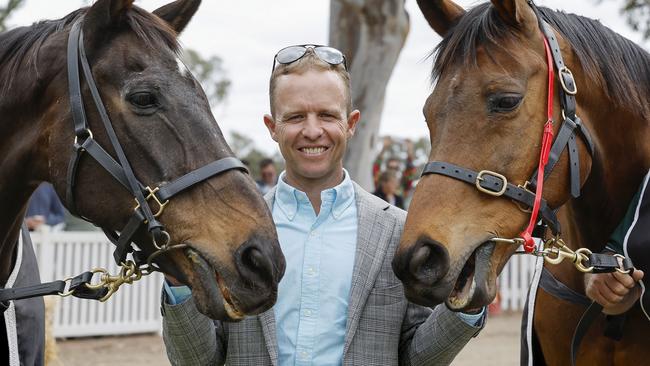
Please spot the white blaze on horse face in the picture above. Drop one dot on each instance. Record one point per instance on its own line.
(182, 68)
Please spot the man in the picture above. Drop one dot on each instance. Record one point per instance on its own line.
(339, 301)
(387, 186)
(269, 177)
(45, 208)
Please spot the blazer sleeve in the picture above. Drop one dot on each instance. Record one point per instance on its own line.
(431, 337)
(190, 337)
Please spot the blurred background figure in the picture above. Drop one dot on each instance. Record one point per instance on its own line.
(268, 176)
(45, 208)
(387, 188)
(397, 157)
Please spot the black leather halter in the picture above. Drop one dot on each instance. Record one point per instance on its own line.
(122, 171)
(497, 185)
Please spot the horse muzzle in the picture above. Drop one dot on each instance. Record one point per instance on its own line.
(430, 277)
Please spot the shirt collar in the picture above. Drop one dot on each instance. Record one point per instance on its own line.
(288, 198)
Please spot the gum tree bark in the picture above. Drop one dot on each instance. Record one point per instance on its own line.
(371, 33)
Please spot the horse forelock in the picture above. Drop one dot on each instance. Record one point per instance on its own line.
(19, 47)
(615, 64)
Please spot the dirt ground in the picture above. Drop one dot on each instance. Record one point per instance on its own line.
(497, 345)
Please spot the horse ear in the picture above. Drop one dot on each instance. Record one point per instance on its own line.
(178, 13)
(103, 15)
(516, 12)
(441, 14)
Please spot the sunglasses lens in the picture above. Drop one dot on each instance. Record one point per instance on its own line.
(330, 55)
(290, 54)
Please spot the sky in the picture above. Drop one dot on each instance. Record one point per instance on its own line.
(247, 34)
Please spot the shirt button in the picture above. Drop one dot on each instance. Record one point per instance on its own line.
(310, 271)
(304, 355)
(307, 313)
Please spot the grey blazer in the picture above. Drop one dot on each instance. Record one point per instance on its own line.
(383, 327)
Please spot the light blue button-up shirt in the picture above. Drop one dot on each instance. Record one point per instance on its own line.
(311, 312)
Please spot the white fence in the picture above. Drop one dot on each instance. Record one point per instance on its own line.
(133, 309)
(514, 281)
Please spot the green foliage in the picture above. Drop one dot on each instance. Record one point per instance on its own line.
(245, 149)
(638, 15)
(210, 73)
(6, 10)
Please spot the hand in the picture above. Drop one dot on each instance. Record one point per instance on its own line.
(616, 292)
(34, 222)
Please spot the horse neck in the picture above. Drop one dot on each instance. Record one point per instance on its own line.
(23, 140)
(620, 161)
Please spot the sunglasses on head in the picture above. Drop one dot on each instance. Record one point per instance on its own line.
(292, 54)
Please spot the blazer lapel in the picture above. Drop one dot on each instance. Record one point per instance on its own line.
(372, 242)
(267, 318)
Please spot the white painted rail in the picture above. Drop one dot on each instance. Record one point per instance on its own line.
(133, 309)
(514, 281)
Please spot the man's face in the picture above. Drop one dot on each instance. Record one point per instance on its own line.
(268, 174)
(311, 124)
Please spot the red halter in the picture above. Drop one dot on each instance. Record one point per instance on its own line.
(547, 140)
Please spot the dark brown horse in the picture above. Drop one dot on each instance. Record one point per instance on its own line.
(487, 112)
(164, 124)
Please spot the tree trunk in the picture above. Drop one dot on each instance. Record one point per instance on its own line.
(371, 33)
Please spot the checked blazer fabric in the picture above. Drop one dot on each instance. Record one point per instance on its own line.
(383, 328)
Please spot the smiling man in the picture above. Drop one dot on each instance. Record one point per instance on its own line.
(339, 301)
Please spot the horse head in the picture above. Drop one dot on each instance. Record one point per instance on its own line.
(163, 121)
(486, 113)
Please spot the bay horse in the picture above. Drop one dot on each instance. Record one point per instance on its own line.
(164, 128)
(487, 112)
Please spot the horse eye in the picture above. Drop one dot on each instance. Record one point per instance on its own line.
(143, 100)
(505, 103)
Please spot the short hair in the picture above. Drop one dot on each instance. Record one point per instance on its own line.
(266, 162)
(310, 61)
(386, 176)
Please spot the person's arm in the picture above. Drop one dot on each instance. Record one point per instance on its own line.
(436, 337)
(190, 337)
(616, 292)
(56, 213)
(615, 242)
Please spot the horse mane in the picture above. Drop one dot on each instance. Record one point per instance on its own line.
(617, 65)
(19, 47)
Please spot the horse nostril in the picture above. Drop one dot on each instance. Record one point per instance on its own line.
(420, 257)
(256, 264)
(429, 262)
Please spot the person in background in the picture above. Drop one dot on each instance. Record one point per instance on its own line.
(387, 188)
(268, 176)
(45, 208)
(405, 176)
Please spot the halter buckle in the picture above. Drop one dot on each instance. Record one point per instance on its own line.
(152, 194)
(498, 193)
(87, 134)
(565, 71)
